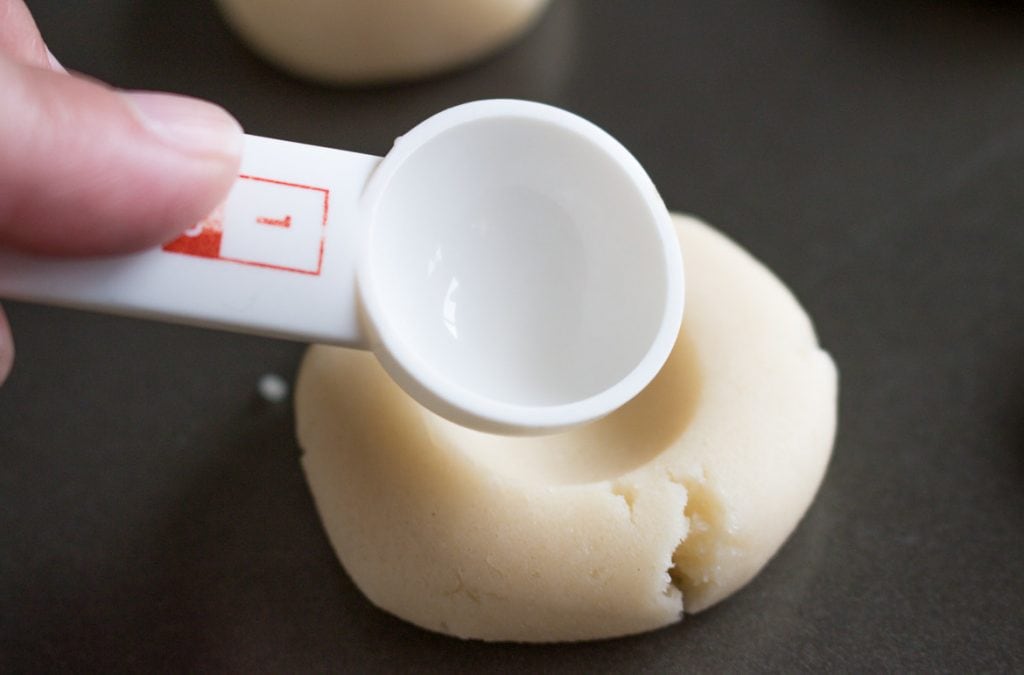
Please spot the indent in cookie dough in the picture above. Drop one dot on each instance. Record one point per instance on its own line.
(357, 41)
(671, 503)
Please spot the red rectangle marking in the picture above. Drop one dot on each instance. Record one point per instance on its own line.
(203, 240)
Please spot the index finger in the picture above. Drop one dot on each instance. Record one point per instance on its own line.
(6, 348)
(19, 36)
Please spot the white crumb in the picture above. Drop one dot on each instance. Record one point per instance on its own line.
(272, 388)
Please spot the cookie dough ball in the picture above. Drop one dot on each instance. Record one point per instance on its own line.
(669, 504)
(362, 41)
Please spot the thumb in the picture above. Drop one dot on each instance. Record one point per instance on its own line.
(86, 169)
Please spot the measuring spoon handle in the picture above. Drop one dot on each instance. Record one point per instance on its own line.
(277, 258)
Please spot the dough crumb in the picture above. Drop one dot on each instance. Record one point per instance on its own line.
(272, 388)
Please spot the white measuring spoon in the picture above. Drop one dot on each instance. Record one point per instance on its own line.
(510, 264)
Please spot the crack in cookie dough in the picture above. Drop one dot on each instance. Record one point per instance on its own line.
(708, 544)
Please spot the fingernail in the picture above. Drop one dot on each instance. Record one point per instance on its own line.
(189, 124)
(54, 63)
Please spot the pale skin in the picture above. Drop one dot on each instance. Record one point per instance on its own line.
(88, 170)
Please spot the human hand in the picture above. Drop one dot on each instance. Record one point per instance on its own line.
(87, 170)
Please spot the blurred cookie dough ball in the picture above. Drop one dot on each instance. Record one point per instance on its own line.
(367, 41)
(669, 504)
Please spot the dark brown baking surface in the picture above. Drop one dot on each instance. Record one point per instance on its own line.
(153, 515)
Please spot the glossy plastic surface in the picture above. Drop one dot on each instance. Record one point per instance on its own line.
(520, 271)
